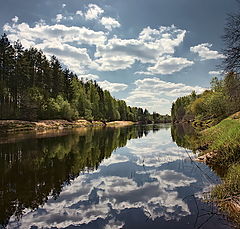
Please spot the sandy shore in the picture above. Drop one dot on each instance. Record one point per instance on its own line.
(7, 126)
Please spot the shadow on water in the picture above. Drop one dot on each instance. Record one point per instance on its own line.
(34, 165)
(185, 136)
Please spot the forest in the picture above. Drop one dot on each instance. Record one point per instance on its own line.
(217, 103)
(32, 87)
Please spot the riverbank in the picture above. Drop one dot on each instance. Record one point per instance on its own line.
(10, 126)
(221, 144)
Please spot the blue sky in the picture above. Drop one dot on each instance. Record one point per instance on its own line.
(145, 52)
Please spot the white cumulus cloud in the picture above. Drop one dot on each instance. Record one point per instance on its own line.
(55, 39)
(76, 59)
(42, 32)
(151, 45)
(112, 87)
(59, 17)
(168, 65)
(93, 12)
(157, 95)
(15, 19)
(79, 12)
(114, 63)
(109, 23)
(205, 53)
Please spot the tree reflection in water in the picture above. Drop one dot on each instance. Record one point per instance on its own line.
(37, 166)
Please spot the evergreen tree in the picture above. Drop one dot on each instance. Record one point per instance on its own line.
(32, 88)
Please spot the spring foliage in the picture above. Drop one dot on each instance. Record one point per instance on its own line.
(222, 100)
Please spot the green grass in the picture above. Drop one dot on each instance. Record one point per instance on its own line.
(227, 194)
(224, 139)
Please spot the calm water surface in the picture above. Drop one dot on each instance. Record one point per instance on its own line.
(102, 178)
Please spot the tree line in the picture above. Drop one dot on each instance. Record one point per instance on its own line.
(34, 88)
(222, 100)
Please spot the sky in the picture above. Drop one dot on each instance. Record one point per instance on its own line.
(146, 52)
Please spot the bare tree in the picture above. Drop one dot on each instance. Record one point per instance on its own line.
(232, 42)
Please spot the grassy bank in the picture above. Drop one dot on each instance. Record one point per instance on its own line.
(227, 194)
(7, 126)
(222, 143)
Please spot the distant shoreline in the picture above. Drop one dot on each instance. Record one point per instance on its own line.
(12, 126)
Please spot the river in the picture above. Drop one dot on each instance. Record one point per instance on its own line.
(102, 178)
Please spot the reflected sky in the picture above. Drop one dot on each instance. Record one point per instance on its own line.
(149, 183)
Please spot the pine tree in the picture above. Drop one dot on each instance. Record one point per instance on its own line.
(32, 87)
